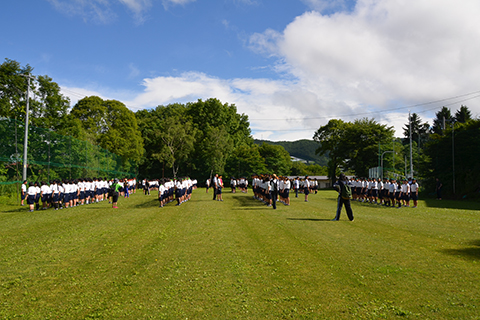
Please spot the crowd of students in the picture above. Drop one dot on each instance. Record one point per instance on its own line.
(269, 189)
(181, 188)
(386, 192)
(59, 194)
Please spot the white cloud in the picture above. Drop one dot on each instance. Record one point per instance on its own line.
(103, 11)
(365, 62)
(98, 11)
(327, 5)
(168, 3)
(380, 55)
(134, 72)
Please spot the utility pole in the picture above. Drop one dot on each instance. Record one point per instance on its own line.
(411, 156)
(25, 141)
(453, 154)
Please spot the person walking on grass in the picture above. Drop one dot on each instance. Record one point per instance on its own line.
(344, 196)
(115, 191)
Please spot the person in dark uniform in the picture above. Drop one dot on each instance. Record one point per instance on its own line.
(214, 186)
(343, 197)
(274, 190)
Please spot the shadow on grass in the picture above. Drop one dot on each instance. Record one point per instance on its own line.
(471, 253)
(452, 204)
(308, 219)
(149, 204)
(248, 203)
(15, 209)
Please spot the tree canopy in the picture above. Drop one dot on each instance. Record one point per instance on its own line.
(352, 146)
(111, 125)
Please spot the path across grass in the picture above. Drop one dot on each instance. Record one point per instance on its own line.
(239, 259)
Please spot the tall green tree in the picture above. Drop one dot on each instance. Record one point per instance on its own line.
(219, 131)
(362, 139)
(420, 130)
(111, 125)
(176, 142)
(463, 114)
(245, 161)
(13, 89)
(331, 138)
(277, 159)
(354, 146)
(441, 117)
(217, 146)
(456, 151)
(169, 137)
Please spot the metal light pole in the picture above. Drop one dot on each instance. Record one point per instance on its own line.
(411, 156)
(25, 141)
(453, 154)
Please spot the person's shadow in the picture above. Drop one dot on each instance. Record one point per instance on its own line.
(308, 219)
(472, 252)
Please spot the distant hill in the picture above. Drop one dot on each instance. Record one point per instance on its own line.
(303, 149)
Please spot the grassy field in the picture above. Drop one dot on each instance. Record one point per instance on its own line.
(239, 259)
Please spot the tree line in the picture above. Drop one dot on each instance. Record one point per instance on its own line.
(448, 149)
(194, 139)
(205, 137)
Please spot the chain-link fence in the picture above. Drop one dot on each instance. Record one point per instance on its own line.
(53, 156)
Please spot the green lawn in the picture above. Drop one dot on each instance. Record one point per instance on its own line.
(239, 259)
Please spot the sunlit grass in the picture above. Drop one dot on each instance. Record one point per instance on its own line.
(238, 259)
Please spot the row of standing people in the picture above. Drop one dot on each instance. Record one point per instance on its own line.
(386, 192)
(70, 193)
(269, 189)
(172, 189)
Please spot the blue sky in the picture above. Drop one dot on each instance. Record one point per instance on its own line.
(289, 65)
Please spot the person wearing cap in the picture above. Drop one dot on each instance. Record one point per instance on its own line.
(340, 186)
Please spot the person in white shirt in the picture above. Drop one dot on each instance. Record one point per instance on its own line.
(161, 193)
(414, 192)
(81, 189)
(233, 184)
(406, 193)
(45, 194)
(31, 194)
(306, 188)
(37, 197)
(207, 183)
(286, 191)
(24, 192)
(296, 186)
